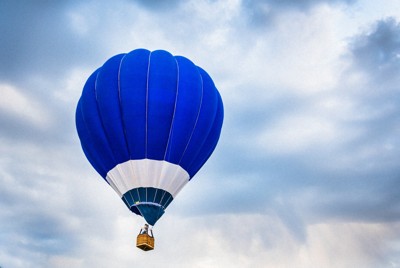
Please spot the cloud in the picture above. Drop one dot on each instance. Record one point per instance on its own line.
(332, 150)
(365, 166)
(305, 174)
(262, 13)
(23, 106)
(42, 40)
(158, 5)
(378, 51)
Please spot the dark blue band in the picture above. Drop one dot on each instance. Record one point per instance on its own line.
(148, 202)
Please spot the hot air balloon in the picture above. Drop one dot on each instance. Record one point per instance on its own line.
(147, 122)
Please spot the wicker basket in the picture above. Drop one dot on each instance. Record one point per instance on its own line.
(145, 242)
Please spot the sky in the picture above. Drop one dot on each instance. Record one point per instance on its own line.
(306, 172)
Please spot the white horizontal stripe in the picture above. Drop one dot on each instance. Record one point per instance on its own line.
(147, 173)
(147, 203)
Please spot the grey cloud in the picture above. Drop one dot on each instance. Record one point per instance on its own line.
(365, 189)
(40, 231)
(262, 13)
(376, 55)
(46, 207)
(158, 5)
(37, 39)
(378, 51)
(356, 196)
(290, 4)
(33, 226)
(58, 131)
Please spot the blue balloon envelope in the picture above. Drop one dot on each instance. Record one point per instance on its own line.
(147, 122)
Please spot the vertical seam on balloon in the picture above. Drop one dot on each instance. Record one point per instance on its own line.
(101, 119)
(166, 202)
(210, 132)
(126, 200)
(133, 199)
(147, 111)
(137, 190)
(213, 126)
(155, 194)
(88, 130)
(120, 106)
(173, 115)
(175, 104)
(103, 129)
(162, 197)
(197, 119)
(147, 102)
(123, 178)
